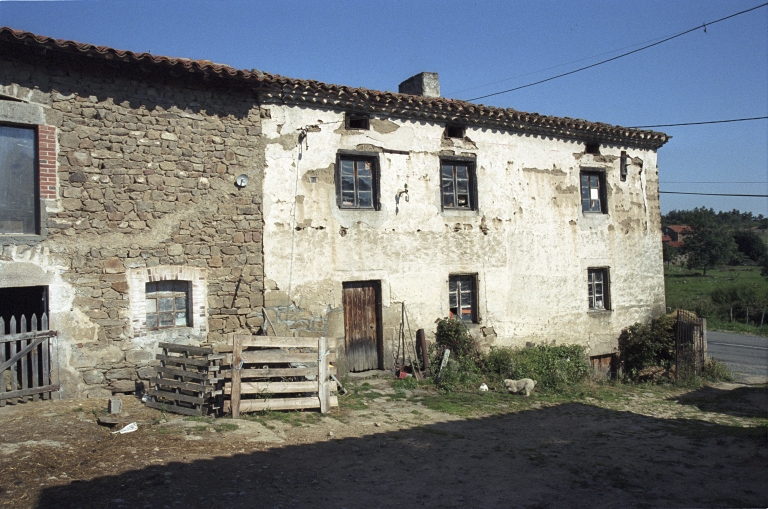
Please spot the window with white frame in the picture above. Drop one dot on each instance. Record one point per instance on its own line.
(168, 304)
(598, 285)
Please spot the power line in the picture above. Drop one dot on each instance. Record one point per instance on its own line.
(698, 123)
(718, 194)
(711, 182)
(704, 26)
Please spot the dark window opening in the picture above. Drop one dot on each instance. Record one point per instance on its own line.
(462, 296)
(454, 131)
(19, 202)
(457, 185)
(358, 183)
(593, 195)
(358, 121)
(168, 304)
(623, 166)
(598, 285)
(26, 301)
(592, 148)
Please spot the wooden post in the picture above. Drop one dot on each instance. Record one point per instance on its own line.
(705, 346)
(323, 382)
(237, 358)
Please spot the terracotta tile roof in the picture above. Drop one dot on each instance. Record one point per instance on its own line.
(678, 243)
(680, 228)
(278, 89)
(666, 238)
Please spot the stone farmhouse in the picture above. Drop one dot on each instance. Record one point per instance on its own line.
(146, 199)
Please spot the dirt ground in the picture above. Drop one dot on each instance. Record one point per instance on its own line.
(640, 446)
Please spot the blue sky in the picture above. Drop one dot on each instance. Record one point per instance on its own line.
(482, 47)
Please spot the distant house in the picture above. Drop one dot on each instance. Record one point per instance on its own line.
(674, 235)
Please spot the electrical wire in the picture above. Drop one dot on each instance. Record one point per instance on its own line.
(704, 26)
(717, 194)
(698, 123)
(711, 182)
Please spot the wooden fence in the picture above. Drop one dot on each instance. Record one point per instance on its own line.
(278, 373)
(25, 360)
(187, 381)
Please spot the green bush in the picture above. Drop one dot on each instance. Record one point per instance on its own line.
(739, 298)
(645, 345)
(716, 371)
(453, 335)
(552, 367)
(461, 373)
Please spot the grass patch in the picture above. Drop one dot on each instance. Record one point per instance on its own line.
(226, 426)
(293, 418)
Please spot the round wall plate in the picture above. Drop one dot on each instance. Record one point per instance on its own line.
(241, 180)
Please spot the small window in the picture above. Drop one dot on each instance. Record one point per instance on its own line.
(168, 304)
(454, 131)
(592, 148)
(597, 281)
(19, 199)
(593, 192)
(462, 297)
(357, 121)
(357, 178)
(623, 166)
(458, 185)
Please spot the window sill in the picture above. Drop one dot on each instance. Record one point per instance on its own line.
(459, 212)
(20, 238)
(599, 311)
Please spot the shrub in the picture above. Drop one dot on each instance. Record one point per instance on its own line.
(716, 371)
(552, 367)
(646, 345)
(460, 373)
(453, 335)
(739, 298)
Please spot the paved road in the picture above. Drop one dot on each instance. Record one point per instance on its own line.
(747, 356)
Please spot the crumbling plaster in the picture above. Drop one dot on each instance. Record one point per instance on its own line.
(528, 241)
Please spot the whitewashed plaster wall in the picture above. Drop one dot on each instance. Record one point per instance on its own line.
(529, 242)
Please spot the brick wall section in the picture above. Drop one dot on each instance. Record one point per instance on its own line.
(46, 156)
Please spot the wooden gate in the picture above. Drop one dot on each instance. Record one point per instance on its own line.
(689, 345)
(362, 332)
(25, 360)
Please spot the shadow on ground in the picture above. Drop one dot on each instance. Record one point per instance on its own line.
(741, 402)
(571, 455)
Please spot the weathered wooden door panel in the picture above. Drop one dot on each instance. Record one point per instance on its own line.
(361, 325)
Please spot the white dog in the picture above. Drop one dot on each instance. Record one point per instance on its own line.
(526, 385)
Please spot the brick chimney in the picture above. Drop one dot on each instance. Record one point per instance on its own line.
(426, 84)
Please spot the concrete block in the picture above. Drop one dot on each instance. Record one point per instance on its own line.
(115, 405)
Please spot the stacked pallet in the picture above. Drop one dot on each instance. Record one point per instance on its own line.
(278, 373)
(187, 380)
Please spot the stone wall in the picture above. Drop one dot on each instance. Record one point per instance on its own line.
(146, 165)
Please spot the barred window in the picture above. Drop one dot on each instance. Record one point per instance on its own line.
(168, 304)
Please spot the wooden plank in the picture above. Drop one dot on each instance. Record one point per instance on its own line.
(187, 386)
(194, 350)
(34, 361)
(3, 382)
(177, 397)
(237, 365)
(196, 375)
(258, 405)
(324, 392)
(23, 350)
(14, 374)
(46, 363)
(275, 387)
(275, 342)
(176, 409)
(28, 335)
(274, 372)
(29, 392)
(274, 356)
(190, 361)
(24, 361)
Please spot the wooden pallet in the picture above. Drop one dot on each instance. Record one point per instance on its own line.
(263, 374)
(187, 381)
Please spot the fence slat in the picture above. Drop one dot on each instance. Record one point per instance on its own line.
(11, 355)
(324, 388)
(45, 362)
(24, 361)
(237, 359)
(34, 374)
(3, 382)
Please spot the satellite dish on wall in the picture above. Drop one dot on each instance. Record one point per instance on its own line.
(241, 181)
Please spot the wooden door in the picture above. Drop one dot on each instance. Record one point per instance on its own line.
(361, 301)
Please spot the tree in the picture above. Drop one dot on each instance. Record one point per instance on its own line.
(670, 253)
(709, 245)
(749, 243)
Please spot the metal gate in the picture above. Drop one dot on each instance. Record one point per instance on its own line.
(689, 345)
